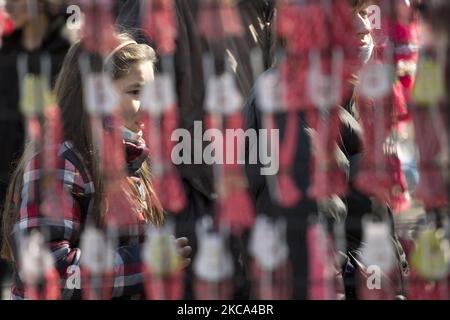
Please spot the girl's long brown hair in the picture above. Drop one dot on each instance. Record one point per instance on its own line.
(77, 129)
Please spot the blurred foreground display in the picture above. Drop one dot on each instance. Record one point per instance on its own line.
(291, 155)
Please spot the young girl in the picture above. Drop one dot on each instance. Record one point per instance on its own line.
(131, 67)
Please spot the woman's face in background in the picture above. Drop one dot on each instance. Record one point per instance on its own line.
(363, 28)
(130, 88)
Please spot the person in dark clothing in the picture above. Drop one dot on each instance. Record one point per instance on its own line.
(34, 35)
(190, 86)
(350, 209)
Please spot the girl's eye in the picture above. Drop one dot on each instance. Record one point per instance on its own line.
(363, 13)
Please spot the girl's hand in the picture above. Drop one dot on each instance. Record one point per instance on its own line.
(185, 250)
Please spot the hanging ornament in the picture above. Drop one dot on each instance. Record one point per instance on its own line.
(44, 128)
(223, 114)
(431, 133)
(320, 264)
(36, 268)
(271, 268)
(160, 118)
(430, 266)
(163, 270)
(327, 178)
(375, 110)
(97, 264)
(101, 101)
(268, 99)
(376, 281)
(213, 264)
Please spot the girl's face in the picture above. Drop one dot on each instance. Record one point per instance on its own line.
(129, 88)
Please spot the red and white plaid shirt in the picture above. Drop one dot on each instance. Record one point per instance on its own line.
(63, 234)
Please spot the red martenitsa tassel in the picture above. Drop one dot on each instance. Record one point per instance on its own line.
(375, 176)
(327, 178)
(175, 199)
(321, 275)
(166, 181)
(420, 289)
(301, 26)
(170, 287)
(272, 285)
(105, 283)
(50, 290)
(271, 269)
(235, 207)
(384, 290)
(431, 188)
(160, 23)
(397, 198)
(288, 194)
(219, 19)
(55, 202)
(120, 210)
(294, 79)
(98, 30)
(113, 155)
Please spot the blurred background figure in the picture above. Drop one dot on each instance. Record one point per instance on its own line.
(191, 46)
(33, 28)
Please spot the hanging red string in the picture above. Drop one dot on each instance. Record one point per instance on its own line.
(98, 31)
(37, 270)
(162, 267)
(219, 19)
(374, 102)
(159, 108)
(320, 264)
(288, 193)
(327, 178)
(235, 208)
(55, 202)
(97, 274)
(160, 23)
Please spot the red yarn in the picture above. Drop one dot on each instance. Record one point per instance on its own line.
(320, 264)
(98, 30)
(235, 207)
(218, 20)
(272, 285)
(160, 23)
(55, 200)
(431, 188)
(170, 287)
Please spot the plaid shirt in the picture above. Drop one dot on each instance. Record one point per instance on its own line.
(63, 233)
